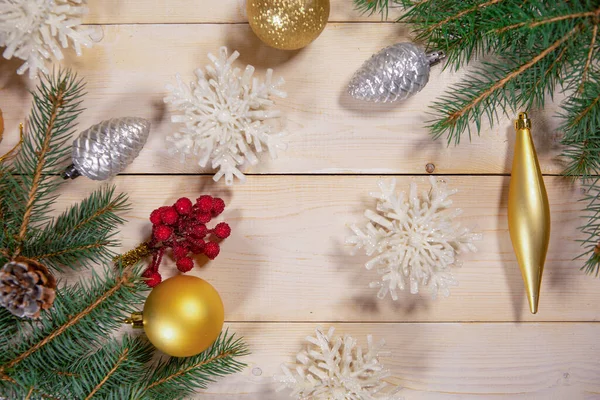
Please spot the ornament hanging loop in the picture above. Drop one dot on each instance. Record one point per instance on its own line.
(523, 122)
(435, 57)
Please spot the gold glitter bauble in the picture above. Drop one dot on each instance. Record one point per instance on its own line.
(287, 24)
(183, 316)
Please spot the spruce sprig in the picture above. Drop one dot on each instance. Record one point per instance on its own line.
(180, 377)
(590, 244)
(525, 51)
(57, 103)
(81, 317)
(82, 235)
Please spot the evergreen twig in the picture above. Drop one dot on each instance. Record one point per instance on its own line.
(180, 377)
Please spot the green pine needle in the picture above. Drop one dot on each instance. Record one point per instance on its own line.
(591, 229)
(178, 378)
(82, 235)
(373, 6)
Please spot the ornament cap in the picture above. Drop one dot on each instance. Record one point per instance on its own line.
(70, 172)
(136, 320)
(523, 122)
(435, 57)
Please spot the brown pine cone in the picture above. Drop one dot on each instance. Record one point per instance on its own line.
(26, 287)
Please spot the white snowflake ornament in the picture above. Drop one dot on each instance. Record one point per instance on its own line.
(413, 239)
(336, 368)
(225, 114)
(36, 30)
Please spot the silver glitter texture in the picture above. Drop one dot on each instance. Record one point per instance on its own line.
(395, 73)
(107, 148)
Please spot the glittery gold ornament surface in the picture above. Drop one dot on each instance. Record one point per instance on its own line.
(528, 212)
(287, 24)
(182, 316)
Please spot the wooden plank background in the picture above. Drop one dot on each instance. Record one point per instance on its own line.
(286, 269)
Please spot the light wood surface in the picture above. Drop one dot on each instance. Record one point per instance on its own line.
(286, 259)
(285, 269)
(200, 11)
(549, 361)
(330, 133)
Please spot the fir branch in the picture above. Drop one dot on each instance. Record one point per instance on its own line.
(180, 377)
(104, 372)
(588, 62)
(82, 235)
(28, 396)
(110, 373)
(591, 229)
(72, 251)
(372, 6)
(582, 158)
(581, 113)
(56, 105)
(93, 309)
(475, 8)
(97, 211)
(534, 24)
(458, 119)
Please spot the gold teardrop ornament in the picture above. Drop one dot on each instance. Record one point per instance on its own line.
(528, 212)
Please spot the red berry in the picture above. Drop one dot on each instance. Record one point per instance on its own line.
(212, 250)
(182, 225)
(169, 216)
(152, 278)
(203, 217)
(198, 231)
(222, 230)
(180, 251)
(218, 206)
(205, 203)
(183, 206)
(185, 264)
(197, 246)
(155, 217)
(148, 273)
(162, 232)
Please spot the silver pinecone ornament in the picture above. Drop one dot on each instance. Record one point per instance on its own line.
(395, 73)
(107, 148)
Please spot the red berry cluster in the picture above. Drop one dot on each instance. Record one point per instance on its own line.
(182, 227)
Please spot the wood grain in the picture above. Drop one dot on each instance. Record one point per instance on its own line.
(286, 259)
(330, 132)
(286, 269)
(550, 361)
(200, 11)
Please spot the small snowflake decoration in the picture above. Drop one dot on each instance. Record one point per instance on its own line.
(336, 368)
(35, 31)
(413, 239)
(225, 115)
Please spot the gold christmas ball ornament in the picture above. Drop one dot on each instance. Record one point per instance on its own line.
(182, 316)
(287, 24)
